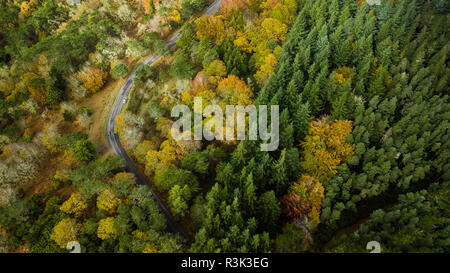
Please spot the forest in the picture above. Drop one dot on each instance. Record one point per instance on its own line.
(364, 126)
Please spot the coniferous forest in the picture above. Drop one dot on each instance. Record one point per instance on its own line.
(362, 88)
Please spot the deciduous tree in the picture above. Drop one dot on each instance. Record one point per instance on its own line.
(65, 231)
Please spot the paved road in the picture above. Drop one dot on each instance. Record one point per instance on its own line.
(113, 137)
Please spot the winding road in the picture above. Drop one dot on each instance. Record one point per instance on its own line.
(113, 137)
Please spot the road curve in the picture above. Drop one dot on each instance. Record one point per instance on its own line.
(113, 137)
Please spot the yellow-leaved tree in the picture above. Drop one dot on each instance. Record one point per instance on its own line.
(108, 201)
(216, 69)
(92, 78)
(274, 29)
(74, 205)
(26, 8)
(151, 161)
(304, 200)
(65, 231)
(142, 149)
(267, 69)
(50, 137)
(124, 176)
(325, 148)
(233, 91)
(106, 228)
(211, 27)
(175, 16)
(150, 247)
(36, 86)
(243, 43)
(343, 74)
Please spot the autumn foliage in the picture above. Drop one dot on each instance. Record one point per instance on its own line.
(325, 148)
(227, 5)
(304, 199)
(108, 201)
(65, 231)
(92, 78)
(211, 27)
(234, 91)
(74, 205)
(343, 74)
(106, 228)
